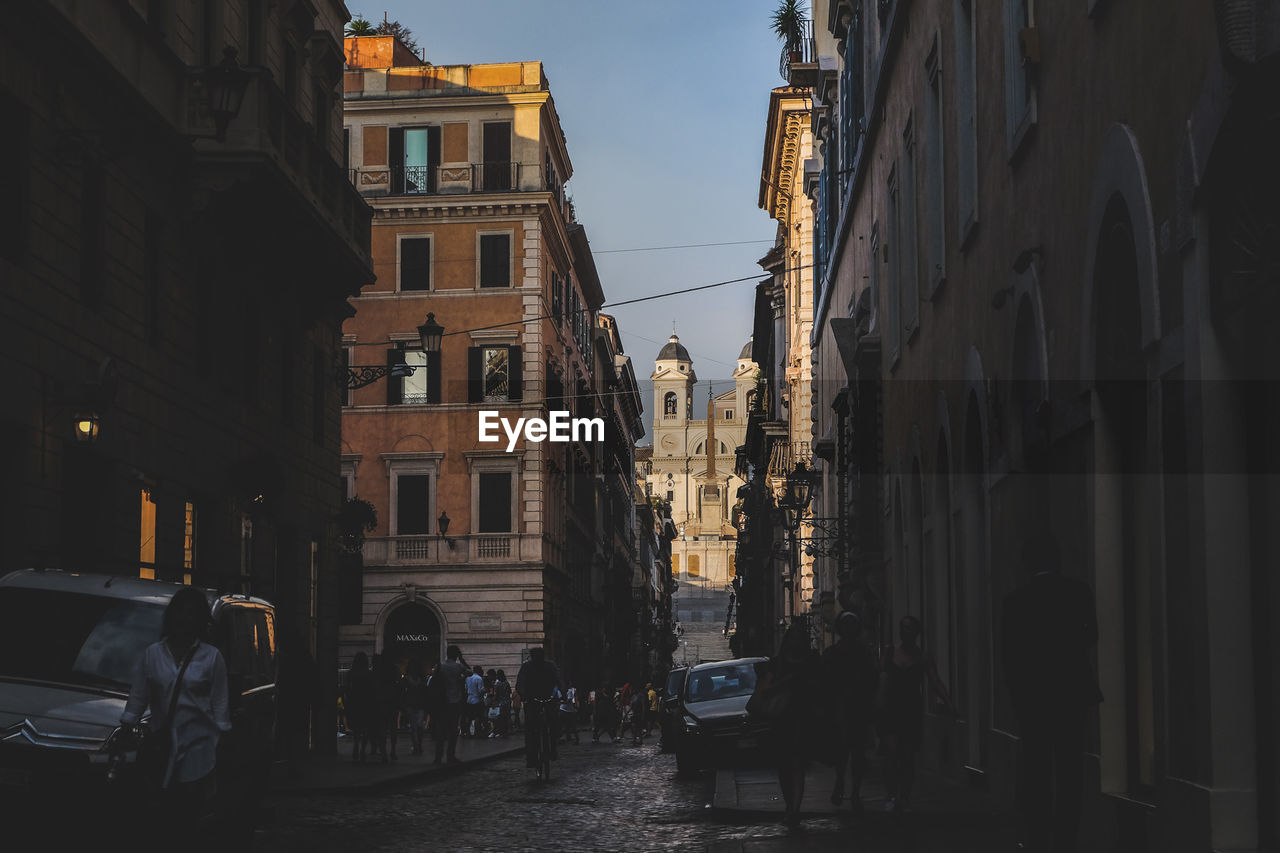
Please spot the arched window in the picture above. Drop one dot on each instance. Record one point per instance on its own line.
(669, 404)
(723, 449)
(697, 451)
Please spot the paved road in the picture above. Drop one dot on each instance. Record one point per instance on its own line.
(602, 797)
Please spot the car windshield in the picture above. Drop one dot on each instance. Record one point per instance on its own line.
(720, 682)
(674, 682)
(72, 638)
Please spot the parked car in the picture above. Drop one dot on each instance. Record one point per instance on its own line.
(669, 709)
(69, 647)
(715, 730)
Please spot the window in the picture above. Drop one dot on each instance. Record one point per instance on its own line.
(497, 166)
(414, 156)
(873, 280)
(494, 495)
(413, 478)
(893, 287)
(15, 151)
(497, 364)
(966, 120)
(188, 542)
(290, 71)
(728, 414)
(908, 257)
(415, 263)
(1019, 55)
(495, 260)
(153, 231)
(413, 504)
(934, 178)
(346, 362)
(669, 405)
(418, 382)
(697, 451)
(557, 295)
(671, 495)
(494, 373)
(147, 539)
(93, 203)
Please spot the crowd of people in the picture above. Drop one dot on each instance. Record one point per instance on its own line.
(379, 704)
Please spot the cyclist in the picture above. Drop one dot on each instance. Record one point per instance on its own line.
(538, 683)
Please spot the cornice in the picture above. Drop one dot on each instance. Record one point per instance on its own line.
(464, 207)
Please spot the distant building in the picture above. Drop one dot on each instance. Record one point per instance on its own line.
(185, 284)
(692, 464)
(465, 167)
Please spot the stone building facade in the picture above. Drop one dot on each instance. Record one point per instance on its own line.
(185, 286)
(1041, 239)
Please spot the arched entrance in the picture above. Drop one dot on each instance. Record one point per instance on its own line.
(1125, 502)
(412, 630)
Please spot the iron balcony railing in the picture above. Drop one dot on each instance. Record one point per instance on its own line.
(430, 180)
(802, 52)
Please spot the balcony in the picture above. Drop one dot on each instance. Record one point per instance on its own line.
(799, 67)
(434, 550)
(269, 132)
(452, 179)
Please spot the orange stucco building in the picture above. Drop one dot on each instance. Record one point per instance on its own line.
(464, 167)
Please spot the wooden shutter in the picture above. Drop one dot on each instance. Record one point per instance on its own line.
(515, 374)
(433, 157)
(433, 377)
(395, 158)
(475, 374)
(395, 384)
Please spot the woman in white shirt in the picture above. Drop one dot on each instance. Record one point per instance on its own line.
(199, 710)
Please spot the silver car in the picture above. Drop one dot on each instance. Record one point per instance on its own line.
(69, 647)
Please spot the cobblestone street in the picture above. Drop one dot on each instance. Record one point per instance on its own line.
(601, 797)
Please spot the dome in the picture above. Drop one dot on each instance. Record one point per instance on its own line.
(745, 355)
(673, 350)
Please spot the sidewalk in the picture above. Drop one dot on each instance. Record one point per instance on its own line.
(945, 815)
(339, 774)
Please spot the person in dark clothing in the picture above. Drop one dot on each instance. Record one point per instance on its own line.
(849, 671)
(1048, 628)
(905, 671)
(445, 697)
(414, 700)
(796, 670)
(360, 702)
(387, 724)
(539, 679)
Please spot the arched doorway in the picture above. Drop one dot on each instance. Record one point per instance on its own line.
(1123, 505)
(412, 630)
(975, 585)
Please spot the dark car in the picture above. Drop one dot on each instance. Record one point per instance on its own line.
(669, 712)
(69, 647)
(715, 730)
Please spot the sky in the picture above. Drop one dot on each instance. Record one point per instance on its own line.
(663, 106)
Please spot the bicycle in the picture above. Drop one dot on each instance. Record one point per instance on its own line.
(538, 733)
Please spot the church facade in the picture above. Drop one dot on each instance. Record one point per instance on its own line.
(692, 463)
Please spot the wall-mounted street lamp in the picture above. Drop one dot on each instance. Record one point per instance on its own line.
(85, 402)
(224, 85)
(442, 524)
(430, 334)
(86, 426)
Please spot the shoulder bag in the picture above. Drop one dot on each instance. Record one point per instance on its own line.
(158, 745)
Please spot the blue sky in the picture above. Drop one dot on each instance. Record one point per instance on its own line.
(663, 105)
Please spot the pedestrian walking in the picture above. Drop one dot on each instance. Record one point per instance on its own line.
(360, 701)
(651, 715)
(414, 700)
(849, 673)
(569, 714)
(900, 695)
(794, 673)
(182, 679)
(473, 721)
(639, 702)
(605, 712)
(446, 696)
(502, 693)
(517, 706)
(1049, 628)
(386, 726)
(539, 680)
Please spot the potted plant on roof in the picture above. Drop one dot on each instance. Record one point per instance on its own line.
(788, 25)
(356, 518)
